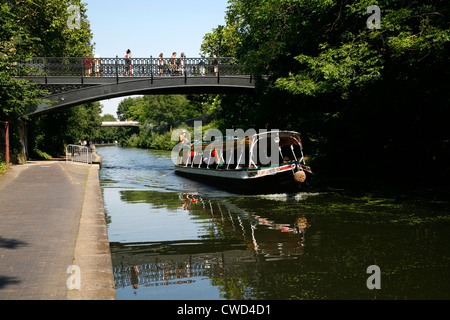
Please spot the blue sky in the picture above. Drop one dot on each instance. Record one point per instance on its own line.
(149, 27)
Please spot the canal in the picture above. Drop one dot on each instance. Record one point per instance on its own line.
(172, 238)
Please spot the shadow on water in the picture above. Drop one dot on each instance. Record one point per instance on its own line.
(172, 238)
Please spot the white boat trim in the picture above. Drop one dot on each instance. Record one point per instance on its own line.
(236, 173)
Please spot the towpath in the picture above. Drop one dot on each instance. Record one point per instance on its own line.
(51, 218)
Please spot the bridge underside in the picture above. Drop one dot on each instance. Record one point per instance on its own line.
(73, 91)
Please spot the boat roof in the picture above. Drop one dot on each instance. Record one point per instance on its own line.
(286, 138)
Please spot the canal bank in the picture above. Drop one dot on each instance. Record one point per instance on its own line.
(52, 218)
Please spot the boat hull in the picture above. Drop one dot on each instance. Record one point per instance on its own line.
(267, 181)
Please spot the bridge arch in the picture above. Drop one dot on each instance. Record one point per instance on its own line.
(70, 95)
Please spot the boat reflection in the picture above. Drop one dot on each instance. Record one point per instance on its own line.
(257, 233)
(236, 240)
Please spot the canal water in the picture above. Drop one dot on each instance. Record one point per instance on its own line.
(176, 239)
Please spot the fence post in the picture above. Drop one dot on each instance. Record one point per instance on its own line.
(151, 68)
(218, 73)
(185, 69)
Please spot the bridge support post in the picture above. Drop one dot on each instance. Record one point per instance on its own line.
(117, 69)
(151, 68)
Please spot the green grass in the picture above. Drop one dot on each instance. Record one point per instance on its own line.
(41, 155)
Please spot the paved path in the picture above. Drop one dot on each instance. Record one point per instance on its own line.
(41, 206)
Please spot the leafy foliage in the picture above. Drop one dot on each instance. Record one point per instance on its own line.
(47, 21)
(158, 114)
(39, 28)
(15, 94)
(367, 101)
(53, 131)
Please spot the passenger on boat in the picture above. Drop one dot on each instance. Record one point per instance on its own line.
(183, 138)
(184, 141)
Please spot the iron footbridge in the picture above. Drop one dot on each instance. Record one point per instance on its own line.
(74, 81)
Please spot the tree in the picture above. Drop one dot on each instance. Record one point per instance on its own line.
(48, 21)
(363, 98)
(44, 26)
(67, 127)
(222, 42)
(15, 94)
(130, 108)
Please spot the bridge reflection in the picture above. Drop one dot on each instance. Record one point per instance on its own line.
(238, 241)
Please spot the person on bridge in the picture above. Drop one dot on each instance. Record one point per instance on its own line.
(161, 64)
(128, 65)
(181, 64)
(216, 65)
(173, 63)
(202, 66)
(87, 66)
(97, 65)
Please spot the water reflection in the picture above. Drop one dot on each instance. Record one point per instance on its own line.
(253, 230)
(172, 238)
(234, 238)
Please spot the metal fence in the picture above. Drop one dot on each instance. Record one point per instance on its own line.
(137, 67)
(80, 154)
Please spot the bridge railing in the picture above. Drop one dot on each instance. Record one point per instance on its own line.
(80, 154)
(140, 67)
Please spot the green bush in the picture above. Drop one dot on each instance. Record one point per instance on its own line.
(3, 168)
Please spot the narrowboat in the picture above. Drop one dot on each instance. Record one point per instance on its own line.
(262, 163)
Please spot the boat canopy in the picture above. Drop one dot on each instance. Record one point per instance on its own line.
(285, 138)
(229, 151)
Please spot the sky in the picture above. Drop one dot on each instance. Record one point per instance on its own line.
(151, 27)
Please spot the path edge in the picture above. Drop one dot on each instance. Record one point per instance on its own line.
(92, 256)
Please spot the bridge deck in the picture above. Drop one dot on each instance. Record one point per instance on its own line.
(79, 80)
